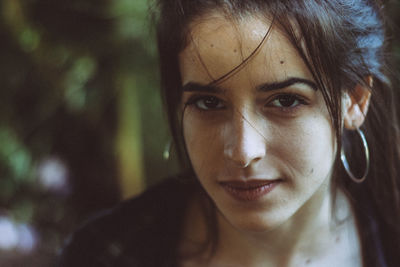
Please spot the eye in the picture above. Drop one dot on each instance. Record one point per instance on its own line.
(207, 103)
(287, 101)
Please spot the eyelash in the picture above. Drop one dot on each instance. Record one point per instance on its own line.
(300, 102)
(194, 100)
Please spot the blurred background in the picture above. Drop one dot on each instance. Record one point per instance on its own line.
(81, 122)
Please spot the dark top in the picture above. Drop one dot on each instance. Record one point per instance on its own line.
(145, 232)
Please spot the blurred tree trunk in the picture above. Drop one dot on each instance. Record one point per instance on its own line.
(129, 143)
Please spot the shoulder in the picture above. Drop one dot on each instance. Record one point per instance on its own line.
(135, 233)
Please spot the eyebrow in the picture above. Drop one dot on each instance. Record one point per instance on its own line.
(286, 83)
(197, 87)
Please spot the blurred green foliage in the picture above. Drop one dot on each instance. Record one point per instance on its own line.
(61, 65)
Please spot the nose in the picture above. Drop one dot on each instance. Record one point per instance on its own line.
(244, 142)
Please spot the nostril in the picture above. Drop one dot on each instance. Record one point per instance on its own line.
(241, 164)
(245, 154)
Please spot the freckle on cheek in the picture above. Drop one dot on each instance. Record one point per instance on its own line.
(282, 62)
(312, 170)
(212, 45)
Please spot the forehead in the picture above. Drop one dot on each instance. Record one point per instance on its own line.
(217, 44)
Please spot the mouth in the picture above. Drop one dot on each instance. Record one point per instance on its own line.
(250, 190)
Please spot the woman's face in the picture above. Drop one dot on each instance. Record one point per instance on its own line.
(261, 141)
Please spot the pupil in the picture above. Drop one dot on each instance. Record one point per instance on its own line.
(286, 100)
(211, 102)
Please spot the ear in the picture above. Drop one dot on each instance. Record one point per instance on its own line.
(356, 105)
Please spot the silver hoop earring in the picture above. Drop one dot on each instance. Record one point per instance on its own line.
(346, 164)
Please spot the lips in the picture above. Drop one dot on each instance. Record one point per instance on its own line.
(250, 190)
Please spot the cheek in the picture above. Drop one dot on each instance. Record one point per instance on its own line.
(307, 148)
(301, 148)
(203, 143)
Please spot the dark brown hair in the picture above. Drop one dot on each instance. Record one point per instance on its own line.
(342, 42)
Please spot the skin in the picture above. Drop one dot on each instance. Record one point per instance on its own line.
(236, 132)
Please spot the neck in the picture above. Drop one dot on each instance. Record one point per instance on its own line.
(309, 234)
(303, 235)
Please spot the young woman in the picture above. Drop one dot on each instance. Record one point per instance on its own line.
(283, 115)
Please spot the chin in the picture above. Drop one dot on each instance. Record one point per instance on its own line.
(253, 223)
